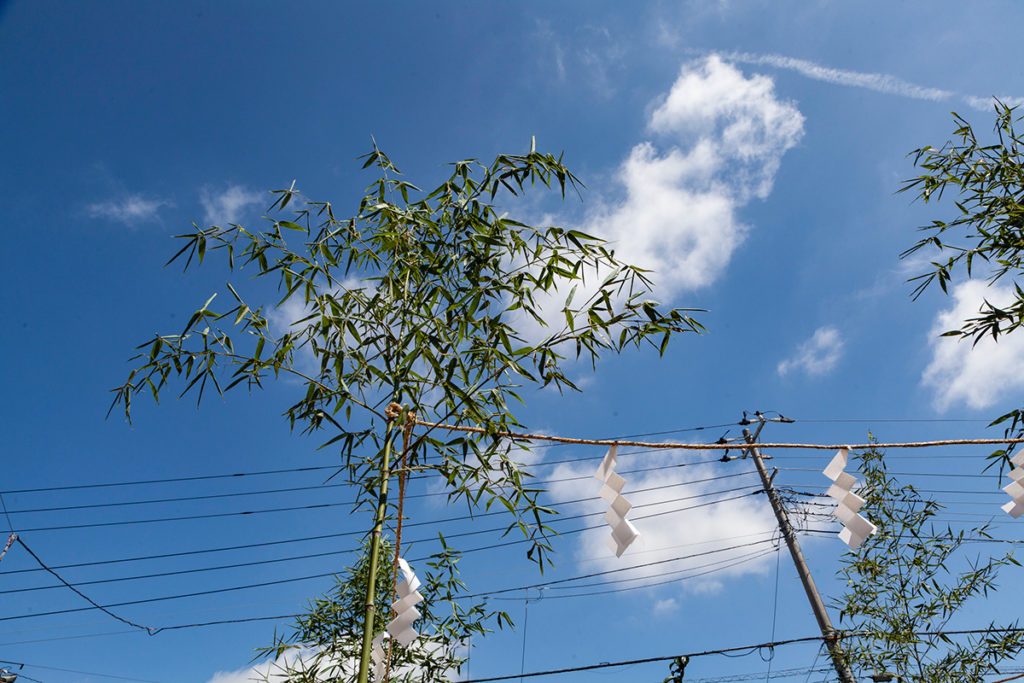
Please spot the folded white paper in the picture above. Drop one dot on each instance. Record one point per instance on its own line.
(400, 628)
(855, 527)
(623, 532)
(377, 656)
(1015, 488)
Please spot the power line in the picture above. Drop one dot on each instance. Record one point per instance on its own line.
(901, 474)
(327, 574)
(749, 649)
(726, 564)
(892, 419)
(212, 515)
(554, 582)
(85, 597)
(170, 480)
(265, 544)
(431, 522)
(83, 673)
(648, 660)
(215, 496)
(310, 468)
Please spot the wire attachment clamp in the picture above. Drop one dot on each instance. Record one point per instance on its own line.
(855, 527)
(623, 532)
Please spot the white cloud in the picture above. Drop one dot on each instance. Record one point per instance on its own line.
(884, 83)
(666, 606)
(726, 135)
(974, 375)
(309, 666)
(267, 670)
(132, 208)
(720, 137)
(228, 206)
(816, 356)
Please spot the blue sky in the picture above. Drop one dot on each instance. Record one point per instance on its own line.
(749, 152)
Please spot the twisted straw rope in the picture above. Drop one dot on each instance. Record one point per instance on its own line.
(716, 446)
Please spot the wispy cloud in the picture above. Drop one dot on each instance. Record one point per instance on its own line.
(129, 209)
(975, 375)
(816, 356)
(879, 82)
(228, 205)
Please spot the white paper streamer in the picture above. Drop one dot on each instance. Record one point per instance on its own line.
(400, 628)
(1015, 508)
(623, 532)
(377, 656)
(855, 527)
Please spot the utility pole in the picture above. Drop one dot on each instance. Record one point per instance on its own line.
(817, 606)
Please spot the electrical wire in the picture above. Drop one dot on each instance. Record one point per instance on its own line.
(319, 537)
(82, 673)
(728, 564)
(310, 468)
(900, 474)
(245, 564)
(555, 582)
(432, 522)
(650, 660)
(85, 597)
(750, 649)
(328, 574)
(215, 496)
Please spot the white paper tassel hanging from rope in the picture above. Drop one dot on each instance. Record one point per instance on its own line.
(400, 628)
(623, 532)
(1015, 508)
(377, 655)
(855, 527)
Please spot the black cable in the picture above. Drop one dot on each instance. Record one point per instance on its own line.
(214, 496)
(981, 493)
(729, 563)
(354, 533)
(179, 499)
(10, 524)
(82, 673)
(323, 575)
(900, 474)
(265, 544)
(166, 597)
(204, 477)
(170, 480)
(649, 660)
(212, 515)
(831, 532)
(933, 419)
(568, 532)
(555, 582)
(183, 553)
(80, 593)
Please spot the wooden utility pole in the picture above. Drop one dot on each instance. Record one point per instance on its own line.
(817, 606)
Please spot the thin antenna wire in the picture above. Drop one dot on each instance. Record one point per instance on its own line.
(775, 609)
